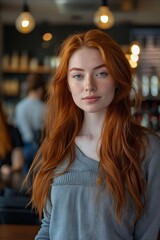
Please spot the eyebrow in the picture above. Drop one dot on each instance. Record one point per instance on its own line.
(80, 69)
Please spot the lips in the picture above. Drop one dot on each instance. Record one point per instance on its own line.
(91, 99)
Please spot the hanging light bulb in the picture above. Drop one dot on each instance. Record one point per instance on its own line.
(25, 22)
(103, 17)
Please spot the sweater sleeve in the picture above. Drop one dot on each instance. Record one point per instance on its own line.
(43, 233)
(148, 225)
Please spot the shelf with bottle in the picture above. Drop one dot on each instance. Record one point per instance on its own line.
(149, 89)
(13, 88)
(14, 72)
(149, 115)
(16, 67)
(22, 63)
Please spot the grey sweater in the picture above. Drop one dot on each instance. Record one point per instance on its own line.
(80, 210)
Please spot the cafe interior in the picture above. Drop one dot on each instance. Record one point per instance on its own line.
(31, 32)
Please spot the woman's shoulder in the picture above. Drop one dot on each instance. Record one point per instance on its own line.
(152, 153)
(153, 140)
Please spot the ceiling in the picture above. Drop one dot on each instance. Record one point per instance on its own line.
(142, 12)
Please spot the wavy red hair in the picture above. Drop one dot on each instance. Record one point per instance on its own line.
(122, 139)
(5, 140)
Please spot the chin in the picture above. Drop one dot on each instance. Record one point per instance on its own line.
(92, 110)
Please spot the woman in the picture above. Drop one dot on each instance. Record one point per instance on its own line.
(11, 155)
(97, 172)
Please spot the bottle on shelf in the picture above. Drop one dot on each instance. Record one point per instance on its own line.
(154, 85)
(24, 60)
(5, 61)
(14, 63)
(145, 86)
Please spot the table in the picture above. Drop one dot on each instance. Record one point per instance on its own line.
(18, 232)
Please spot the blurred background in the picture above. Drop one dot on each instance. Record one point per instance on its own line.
(34, 49)
(31, 32)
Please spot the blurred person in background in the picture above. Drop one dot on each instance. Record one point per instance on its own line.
(29, 115)
(11, 154)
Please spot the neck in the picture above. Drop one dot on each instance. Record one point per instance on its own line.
(92, 125)
(33, 95)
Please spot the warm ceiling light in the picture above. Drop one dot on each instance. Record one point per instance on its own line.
(25, 22)
(103, 17)
(47, 36)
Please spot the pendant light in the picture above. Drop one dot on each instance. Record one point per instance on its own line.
(103, 17)
(25, 22)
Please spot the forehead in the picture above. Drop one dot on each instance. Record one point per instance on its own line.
(85, 55)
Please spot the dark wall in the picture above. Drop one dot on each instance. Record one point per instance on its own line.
(32, 42)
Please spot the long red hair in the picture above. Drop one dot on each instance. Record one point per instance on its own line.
(122, 139)
(5, 139)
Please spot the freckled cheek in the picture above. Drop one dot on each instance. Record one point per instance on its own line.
(108, 92)
(110, 88)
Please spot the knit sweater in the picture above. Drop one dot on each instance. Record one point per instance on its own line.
(78, 209)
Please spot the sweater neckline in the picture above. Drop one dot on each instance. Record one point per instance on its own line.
(85, 159)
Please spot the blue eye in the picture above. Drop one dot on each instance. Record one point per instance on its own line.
(77, 76)
(102, 74)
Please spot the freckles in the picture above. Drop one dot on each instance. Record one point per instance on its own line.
(93, 59)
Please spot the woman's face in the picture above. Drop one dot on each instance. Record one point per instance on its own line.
(90, 83)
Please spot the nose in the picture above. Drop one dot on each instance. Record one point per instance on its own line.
(89, 85)
(92, 89)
